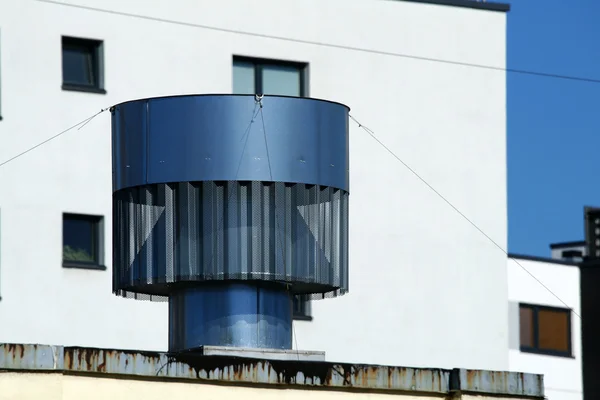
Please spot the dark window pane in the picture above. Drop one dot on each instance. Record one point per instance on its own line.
(243, 78)
(78, 65)
(553, 330)
(79, 240)
(298, 309)
(281, 80)
(526, 327)
(301, 307)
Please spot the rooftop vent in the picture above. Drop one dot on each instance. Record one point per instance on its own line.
(228, 206)
(572, 254)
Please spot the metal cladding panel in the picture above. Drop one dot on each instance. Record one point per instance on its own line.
(226, 187)
(168, 236)
(231, 314)
(230, 137)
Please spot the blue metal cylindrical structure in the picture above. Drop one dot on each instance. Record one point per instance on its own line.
(211, 190)
(237, 314)
(221, 138)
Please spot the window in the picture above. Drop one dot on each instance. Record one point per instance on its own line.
(82, 67)
(82, 241)
(301, 309)
(545, 330)
(253, 76)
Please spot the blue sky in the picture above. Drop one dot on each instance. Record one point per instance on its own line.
(553, 124)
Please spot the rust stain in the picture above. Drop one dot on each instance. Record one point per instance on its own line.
(9, 350)
(68, 360)
(102, 366)
(88, 359)
(275, 372)
(522, 379)
(237, 372)
(233, 369)
(373, 374)
(78, 357)
(13, 349)
(471, 377)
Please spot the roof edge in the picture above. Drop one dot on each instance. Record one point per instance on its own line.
(287, 373)
(543, 259)
(502, 7)
(562, 245)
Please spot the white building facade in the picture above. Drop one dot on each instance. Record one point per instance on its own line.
(545, 322)
(426, 288)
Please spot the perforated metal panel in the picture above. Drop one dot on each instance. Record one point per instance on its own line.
(167, 236)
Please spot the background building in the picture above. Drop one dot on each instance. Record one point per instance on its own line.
(426, 288)
(553, 324)
(545, 322)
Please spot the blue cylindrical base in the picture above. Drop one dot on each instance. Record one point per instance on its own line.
(231, 314)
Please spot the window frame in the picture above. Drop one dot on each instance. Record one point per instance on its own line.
(535, 349)
(96, 50)
(259, 63)
(304, 314)
(97, 226)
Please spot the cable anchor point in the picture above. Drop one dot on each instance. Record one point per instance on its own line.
(258, 98)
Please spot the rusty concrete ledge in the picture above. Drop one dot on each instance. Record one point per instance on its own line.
(497, 383)
(44, 358)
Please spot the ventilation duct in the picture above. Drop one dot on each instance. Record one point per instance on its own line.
(228, 206)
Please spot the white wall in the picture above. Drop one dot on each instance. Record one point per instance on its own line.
(562, 376)
(52, 386)
(427, 289)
